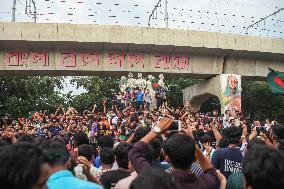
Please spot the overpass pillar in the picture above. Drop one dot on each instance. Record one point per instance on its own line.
(227, 87)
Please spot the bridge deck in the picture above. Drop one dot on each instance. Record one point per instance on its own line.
(84, 49)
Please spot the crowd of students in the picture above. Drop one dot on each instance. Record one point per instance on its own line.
(131, 147)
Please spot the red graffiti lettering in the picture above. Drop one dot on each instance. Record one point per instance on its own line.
(89, 58)
(163, 61)
(136, 60)
(116, 59)
(40, 58)
(181, 62)
(68, 59)
(17, 59)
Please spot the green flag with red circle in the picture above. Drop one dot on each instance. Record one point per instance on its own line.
(275, 81)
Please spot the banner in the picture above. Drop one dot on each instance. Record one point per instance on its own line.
(231, 91)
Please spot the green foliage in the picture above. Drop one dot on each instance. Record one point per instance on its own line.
(97, 88)
(258, 99)
(175, 85)
(212, 103)
(19, 95)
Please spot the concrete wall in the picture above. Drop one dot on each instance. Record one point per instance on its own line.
(199, 93)
(137, 35)
(227, 87)
(53, 62)
(209, 53)
(250, 67)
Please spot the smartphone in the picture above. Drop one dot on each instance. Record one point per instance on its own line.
(176, 126)
(257, 130)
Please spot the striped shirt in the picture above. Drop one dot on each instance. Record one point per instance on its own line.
(195, 169)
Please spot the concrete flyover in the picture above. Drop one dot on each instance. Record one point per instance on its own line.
(67, 49)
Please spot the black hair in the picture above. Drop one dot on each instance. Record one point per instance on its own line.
(107, 156)
(180, 149)
(139, 134)
(233, 134)
(211, 135)
(278, 131)
(156, 145)
(26, 138)
(2, 144)
(223, 142)
(40, 141)
(198, 134)
(106, 141)
(121, 155)
(263, 168)
(153, 178)
(81, 138)
(148, 153)
(206, 138)
(86, 151)
(253, 142)
(56, 152)
(20, 166)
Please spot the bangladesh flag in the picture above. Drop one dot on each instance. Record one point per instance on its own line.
(275, 81)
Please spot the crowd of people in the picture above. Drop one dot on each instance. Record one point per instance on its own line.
(131, 146)
(139, 99)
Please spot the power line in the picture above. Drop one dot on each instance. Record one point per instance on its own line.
(28, 5)
(263, 19)
(153, 11)
(156, 11)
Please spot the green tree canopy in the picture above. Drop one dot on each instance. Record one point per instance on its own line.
(19, 95)
(97, 88)
(258, 100)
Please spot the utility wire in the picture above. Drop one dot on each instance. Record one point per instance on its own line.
(263, 19)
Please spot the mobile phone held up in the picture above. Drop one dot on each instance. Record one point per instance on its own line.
(176, 126)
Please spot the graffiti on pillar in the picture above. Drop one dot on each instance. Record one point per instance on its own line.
(68, 59)
(17, 59)
(116, 59)
(40, 58)
(88, 58)
(180, 62)
(162, 61)
(231, 91)
(135, 60)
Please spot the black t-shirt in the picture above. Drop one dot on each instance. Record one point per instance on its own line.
(228, 160)
(110, 179)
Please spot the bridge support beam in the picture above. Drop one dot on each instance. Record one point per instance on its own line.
(227, 87)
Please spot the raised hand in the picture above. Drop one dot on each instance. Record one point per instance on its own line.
(165, 124)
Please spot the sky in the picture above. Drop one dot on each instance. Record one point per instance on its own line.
(226, 16)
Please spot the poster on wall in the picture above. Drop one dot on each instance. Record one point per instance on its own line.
(231, 91)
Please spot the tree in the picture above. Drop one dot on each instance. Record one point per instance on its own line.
(258, 100)
(19, 95)
(97, 88)
(176, 85)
